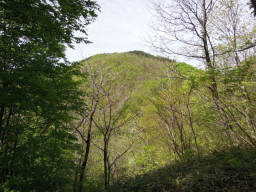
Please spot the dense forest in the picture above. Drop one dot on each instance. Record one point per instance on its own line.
(131, 121)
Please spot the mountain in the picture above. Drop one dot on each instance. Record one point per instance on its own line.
(129, 89)
(137, 69)
(166, 132)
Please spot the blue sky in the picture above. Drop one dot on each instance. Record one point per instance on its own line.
(121, 26)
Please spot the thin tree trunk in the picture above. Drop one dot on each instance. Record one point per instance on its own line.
(1, 120)
(106, 179)
(213, 87)
(76, 176)
(84, 164)
(6, 149)
(191, 123)
(109, 174)
(87, 151)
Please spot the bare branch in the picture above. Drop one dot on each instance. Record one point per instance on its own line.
(120, 155)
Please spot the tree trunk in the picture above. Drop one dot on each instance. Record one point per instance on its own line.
(106, 164)
(1, 121)
(76, 176)
(192, 126)
(211, 67)
(87, 151)
(83, 167)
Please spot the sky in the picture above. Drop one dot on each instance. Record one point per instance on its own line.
(122, 25)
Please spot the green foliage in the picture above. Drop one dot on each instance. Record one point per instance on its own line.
(141, 78)
(176, 119)
(38, 92)
(229, 170)
(253, 6)
(147, 160)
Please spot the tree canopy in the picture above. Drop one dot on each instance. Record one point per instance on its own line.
(38, 91)
(253, 5)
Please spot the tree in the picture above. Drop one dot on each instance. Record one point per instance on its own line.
(84, 129)
(111, 116)
(253, 6)
(174, 109)
(38, 91)
(209, 30)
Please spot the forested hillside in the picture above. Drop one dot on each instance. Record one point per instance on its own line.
(150, 111)
(125, 116)
(130, 121)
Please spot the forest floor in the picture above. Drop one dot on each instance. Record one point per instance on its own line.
(232, 170)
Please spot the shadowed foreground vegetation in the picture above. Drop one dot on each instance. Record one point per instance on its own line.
(228, 170)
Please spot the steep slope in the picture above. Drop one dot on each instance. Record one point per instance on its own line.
(131, 83)
(169, 125)
(137, 69)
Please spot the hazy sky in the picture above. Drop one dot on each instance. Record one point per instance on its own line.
(121, 26)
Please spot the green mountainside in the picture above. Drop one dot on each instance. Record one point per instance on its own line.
(167, 139)
(131, 80)
(137, 69)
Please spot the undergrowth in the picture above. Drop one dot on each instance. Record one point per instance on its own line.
(230, 170)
